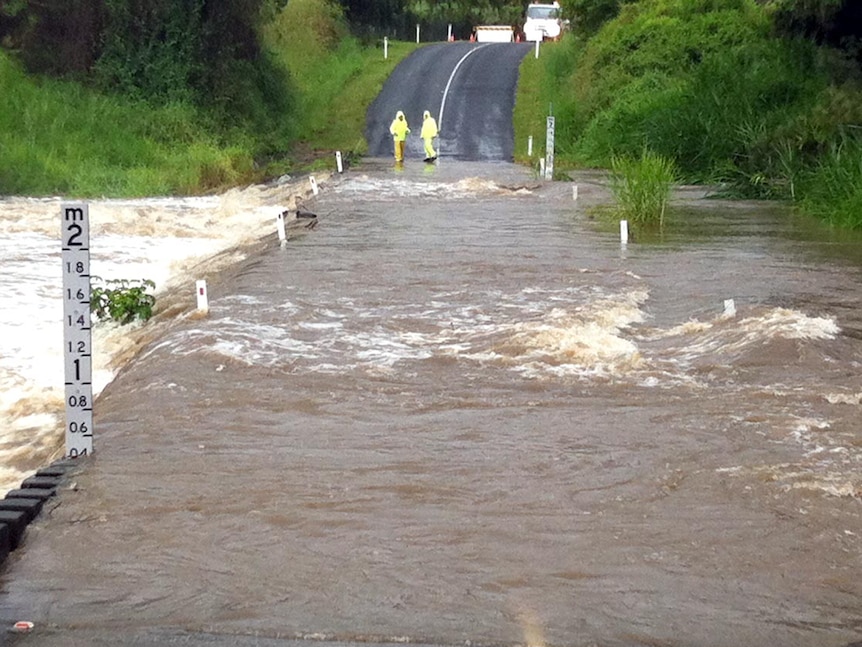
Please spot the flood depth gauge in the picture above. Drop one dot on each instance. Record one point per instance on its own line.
(77, 335)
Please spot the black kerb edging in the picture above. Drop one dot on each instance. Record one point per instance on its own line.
(23, 505)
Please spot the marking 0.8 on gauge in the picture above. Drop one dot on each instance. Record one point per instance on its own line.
(77, 337)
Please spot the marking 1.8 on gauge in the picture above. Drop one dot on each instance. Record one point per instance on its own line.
(77, 337)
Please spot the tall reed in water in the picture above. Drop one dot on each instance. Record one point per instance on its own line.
(642, 187)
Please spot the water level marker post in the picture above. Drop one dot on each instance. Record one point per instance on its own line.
(549, 149)
(77, 333)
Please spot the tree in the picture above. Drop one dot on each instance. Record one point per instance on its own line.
(835, 23)
(56, 37)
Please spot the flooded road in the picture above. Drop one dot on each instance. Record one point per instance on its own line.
(461, 412)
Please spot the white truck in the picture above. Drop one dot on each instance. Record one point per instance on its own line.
(543, 21)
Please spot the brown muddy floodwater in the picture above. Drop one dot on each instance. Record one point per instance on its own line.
(459, 410)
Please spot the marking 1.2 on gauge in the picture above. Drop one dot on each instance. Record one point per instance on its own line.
(77, 337)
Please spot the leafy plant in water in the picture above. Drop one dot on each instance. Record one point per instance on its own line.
(122, 300)
(642, 187)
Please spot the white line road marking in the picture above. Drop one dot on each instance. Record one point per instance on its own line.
(449, 82)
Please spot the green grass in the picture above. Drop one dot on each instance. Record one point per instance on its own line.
(832, 190)
(59, 138)
(539, 96)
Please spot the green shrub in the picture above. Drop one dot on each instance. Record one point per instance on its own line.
(122, 300)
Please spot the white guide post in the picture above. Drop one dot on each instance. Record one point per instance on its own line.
(279, 226)
(203, 300)
(530, 146)
(537, 49)
(417, 34)
(339, 164)
(729, 308)
(77, 334)
(385, 47)
(624, 231)
(314, 188)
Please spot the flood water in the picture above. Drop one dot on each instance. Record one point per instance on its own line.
(460, 410)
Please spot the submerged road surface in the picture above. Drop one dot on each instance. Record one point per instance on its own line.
(468, 87)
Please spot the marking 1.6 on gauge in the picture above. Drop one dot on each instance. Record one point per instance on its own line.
(77, 337)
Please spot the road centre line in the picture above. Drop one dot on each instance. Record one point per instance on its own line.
(449, 82)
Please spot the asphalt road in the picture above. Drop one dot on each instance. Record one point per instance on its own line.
(468, 87)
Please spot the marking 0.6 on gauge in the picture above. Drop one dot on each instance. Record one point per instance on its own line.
(77, 336)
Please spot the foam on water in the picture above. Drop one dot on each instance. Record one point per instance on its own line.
(826, 465)
(158, 239)
(388, 189)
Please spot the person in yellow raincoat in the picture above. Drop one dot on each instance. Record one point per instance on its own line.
(429, 132)
(399, 130)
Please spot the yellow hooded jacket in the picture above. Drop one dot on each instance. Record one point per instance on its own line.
(399, 128)
(429, 126)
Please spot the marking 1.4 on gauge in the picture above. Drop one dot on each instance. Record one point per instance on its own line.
(77, 337)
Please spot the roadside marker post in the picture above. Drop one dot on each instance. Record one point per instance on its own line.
(530, 146)
(77, 331)
(624, 232)
(338, 162)
(279, 225)
(417, 34)
(314, 188)
(203, 301)
(385, 47)
(729, 308)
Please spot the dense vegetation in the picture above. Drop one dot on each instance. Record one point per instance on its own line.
(134, 97)
(753, 96)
